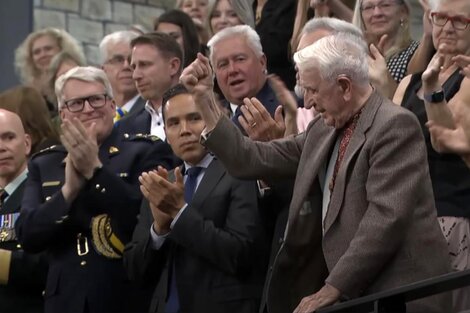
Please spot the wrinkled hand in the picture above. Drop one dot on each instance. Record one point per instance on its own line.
(168, 197)
(257, 122)
(81, 145)
(446, 140)
(379, 74)
(457, 140)
(430, 76)
(325, 296)
(463, 61)
(198, 76)
(284, 95)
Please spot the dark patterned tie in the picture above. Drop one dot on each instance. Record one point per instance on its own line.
(3, 196)
(172, 304)
(348, 131)
(191, 182)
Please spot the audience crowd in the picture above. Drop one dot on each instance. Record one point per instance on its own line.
(244, 156)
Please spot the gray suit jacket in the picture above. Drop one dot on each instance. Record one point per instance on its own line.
(381, 228)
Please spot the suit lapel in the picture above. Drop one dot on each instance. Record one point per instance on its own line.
(138, 105)
(212, 176)
(355, 145)
(14, 201)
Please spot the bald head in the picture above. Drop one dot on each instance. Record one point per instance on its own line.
(15, 146)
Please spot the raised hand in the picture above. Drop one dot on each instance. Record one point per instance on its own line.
(198, 79)
(463, 61)
(167, 196)
(257, 122)
(198, 76)
(379, 74)
(81, 145)
(74, 181)
(430, 76)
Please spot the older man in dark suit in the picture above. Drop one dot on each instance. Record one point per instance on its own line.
(199, 238)
(362, 217)
(240, 66)
(22, 275)
(82, 199)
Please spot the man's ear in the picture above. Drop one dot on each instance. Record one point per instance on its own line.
(345, 84)
(175, 66)
(27, 143)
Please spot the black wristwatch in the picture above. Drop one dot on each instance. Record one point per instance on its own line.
(435, 97)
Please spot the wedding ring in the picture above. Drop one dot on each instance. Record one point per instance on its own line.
(253, 125)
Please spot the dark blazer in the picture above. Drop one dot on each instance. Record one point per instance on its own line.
(138, 122)
(381, 228)
(138, 106)
(215, 245)
(266, 96)
(27, 275)
(84, 279)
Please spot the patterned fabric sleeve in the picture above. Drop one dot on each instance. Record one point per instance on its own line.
(398, 64)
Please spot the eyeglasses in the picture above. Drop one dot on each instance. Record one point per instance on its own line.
(383, 6)
(458, 22)
(118, 60)
(77, 105)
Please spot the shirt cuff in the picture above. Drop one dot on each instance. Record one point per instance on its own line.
(157, 240)
(178, 216)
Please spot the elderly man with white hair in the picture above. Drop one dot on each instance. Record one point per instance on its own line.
(362, 217)
(82, 199)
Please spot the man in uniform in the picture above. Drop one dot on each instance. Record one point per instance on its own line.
(82, 199)
(22, 275)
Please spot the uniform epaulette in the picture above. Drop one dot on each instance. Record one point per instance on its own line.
(134, 137)
(53, 148)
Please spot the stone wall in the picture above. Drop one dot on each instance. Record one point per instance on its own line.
(90, 20)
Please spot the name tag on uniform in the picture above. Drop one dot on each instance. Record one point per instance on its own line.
(51, 183)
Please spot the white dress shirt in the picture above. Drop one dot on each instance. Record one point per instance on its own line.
(156, 125)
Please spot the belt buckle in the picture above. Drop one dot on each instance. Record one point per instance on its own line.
(82, 245)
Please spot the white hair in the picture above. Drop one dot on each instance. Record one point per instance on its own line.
(82, 73)
(331, 24)
(251, 36)
(124, 36)
(338, 54)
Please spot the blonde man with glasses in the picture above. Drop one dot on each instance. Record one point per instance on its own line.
(82, 199)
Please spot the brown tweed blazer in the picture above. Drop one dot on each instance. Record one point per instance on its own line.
(381, 228)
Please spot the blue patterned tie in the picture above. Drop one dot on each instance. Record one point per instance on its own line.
(172, 304)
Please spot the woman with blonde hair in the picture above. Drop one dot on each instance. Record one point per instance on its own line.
(60, 63)
(33, 56)
(227, 13)
(386, 24)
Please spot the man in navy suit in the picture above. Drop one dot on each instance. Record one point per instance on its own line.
(199, 239)
(239, 65)
(22, 275)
